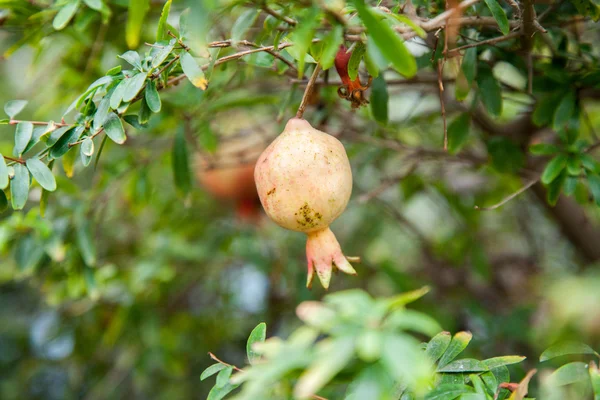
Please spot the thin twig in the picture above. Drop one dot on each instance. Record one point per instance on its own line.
(484, 42)
(280, 17)
(17, 160)
(442, 105)
(217, 359)
(308, 91)
(509, 198)
(57, 124)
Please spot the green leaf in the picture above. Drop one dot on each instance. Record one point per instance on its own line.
(57, 134)
(114, 129)
(19, 186)
(161, 30)
(87, 147)
(181, 168)
(23, 135)
(570, 373)
(133, 58)
(407, 21)
(114, 71)
(42, 174)
(489, 90)
(14, 107)
(162, 55)
(65, 14)
(210, 371)
(595, 378)
(458, 132)
(117, 95)
(464, 365)
(496, 362)
(258, 334)
(243, 23)
(192, 71)
(388, 41)
(545, 109)
(85, 243)
(144, 115)
(438, 345)
(61, 147)
(574, 165)
(302, 38)
(101, 113)
(134, 86)
(570, 185)
(589, 8)
(379, 100)
(469, 64)
(94, 4)
(448, 392)
(543, 149)
(589, 163)
(218, 393)
(223, 376)
(459, 342)
(152, 97)
(499, 15)
(355, 58)
(555, 188)
(564, 111)
(135, 20)
(566, 348)
(3, 201)
(554, 168)
(4, 179)
(594, 184)
(506, 155)
(331, 44)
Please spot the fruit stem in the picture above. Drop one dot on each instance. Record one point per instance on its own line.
(308, 90)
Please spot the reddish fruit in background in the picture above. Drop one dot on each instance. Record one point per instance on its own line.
(304, 182)
(351, 90)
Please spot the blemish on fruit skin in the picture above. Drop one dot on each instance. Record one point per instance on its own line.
(308, 217)
(272, 191)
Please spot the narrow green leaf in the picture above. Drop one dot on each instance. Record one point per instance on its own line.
(258, 334)
(3, 201)
(19, 186)
(564, 111)
(61, 147)
(23, 135)
(101, 113)
(570, 185)
(42, 174)
(554, 168)
(219, 393)
(331, 44)
(574, 166)
(545, 109)
(594, 184)
(181, 168)
(589, 163)
(152, 97)
(388, 41)
(499, 15)
(458, 132)
(161, 30)
(135, 20)
(85, 243)
(210, 371)
(143, 116)
(302, 38)
(554, 189)
(114, 129)
(14, 107)
(496, 362)
(57, 134)
(117, 96)
(162, 55)
(134, 86)
(192, 71)
(133, 58)
(407, 21)
(438, 345)
(355, 59)
(570, 373)
(458, 343)
(464, 365)
(65, 14)
(243, 23)
(448, 392)
(114, 71)
(490, 92)
(543, 149)
(94, 4)
(379, 100)
(223, 376)
(469, 64)
(4, 180)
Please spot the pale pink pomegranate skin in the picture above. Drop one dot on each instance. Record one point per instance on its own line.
(304, 179)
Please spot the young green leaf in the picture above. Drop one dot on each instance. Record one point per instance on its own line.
(564, 111)
(407, 21)
(458, 343)
(438, 345)
(555, 188)
(496, 362)
(133, 58)
(388, 41)
(464, 365)
(590, 163)
(65, 14)
(566, 348)
(570, 373)
(19, 186)
(448, 391)
(302, 38)
(554, 168)
(490, 92)
(101, 113)
(210, 371)
(379, 100)
(192, 71)
(42, 174)
(243, 23)
(181, 168)
(134, 86)
(458, 132)
(543, 149)
(135, 20)
(23, 135)
(162, 55)
(499, 15)
(223, 376)
(355, 58)
(61, 147)
(258, 334)
(545, 109)
(144, 115)
(219, 393)
(331, 44)
(87, 146)
(3, 201)
(117, 95)
(94, 4)
(57, 134)
(152, 97)
(14, 107)
(161, 30)
(469, 64)
(4, 179)
(114, 71)
(114, 129)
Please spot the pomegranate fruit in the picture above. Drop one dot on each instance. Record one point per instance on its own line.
(304, 182)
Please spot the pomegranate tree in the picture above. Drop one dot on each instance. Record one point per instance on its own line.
(304, 182)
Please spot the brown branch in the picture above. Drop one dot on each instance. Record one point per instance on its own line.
(215, 358)
(442, 105)
(308, 91)
(280, 17)
(58, 124)
(17, 160)
(495, 40)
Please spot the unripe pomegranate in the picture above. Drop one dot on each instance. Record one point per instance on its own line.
(304, 182)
